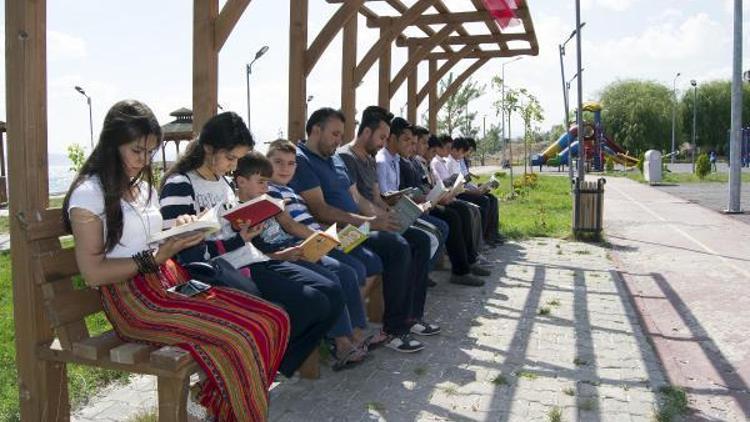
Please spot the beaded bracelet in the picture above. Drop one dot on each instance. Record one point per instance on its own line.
(146, 262)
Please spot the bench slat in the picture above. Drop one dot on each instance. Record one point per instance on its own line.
(97, 348)
(170, 358)
(73, 306)
(59, 264)
(131, 353)
(49, 226)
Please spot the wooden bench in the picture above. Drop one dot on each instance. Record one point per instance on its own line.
(66, 308)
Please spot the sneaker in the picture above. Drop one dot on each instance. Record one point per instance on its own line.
(422, 328)
(478, 270)
(483, 261)
(404, 343)
(466, 280)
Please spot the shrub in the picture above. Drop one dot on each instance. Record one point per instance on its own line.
(609, 164)
(702, 166)
(77, 156)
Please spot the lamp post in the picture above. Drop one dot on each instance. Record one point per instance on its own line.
(562, 74)
(579, 69)
(307, 102)
(248, 71)
(694, 83)
(91, 120)
(674, 111)
(735, 140)
(502, 119)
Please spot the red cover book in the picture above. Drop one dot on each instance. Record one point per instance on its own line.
(254, 211)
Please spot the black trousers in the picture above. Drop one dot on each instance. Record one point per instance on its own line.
(460, 245)
(488, 206)
(313, 302)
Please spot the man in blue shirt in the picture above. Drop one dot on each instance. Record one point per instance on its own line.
(323, 181)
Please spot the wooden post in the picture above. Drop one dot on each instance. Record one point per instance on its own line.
(433, 99)
(348, 88)
(384, 72)
(42, 385)
(205, 62)
(411, 90)
(297, 79)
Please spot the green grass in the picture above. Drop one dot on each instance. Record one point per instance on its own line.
(668, 177)
(544, 211)
(544, 310)
(580, 362)
(672, 403)
(500, 380)
(83, 381)
(569, 391)
(555, 414)
(554, 302)
(528, 375)
(420, 371)
(145, 416)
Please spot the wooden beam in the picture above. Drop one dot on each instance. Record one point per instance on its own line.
(227, 19)
(457, 17)
(384, 72)
(491, 24)
(42, 385)
(433, 108)
(491, 54)
(297, 80)
(348, 88)
(451, 90)
(398, 25)
(470, 39)
(205, 62)
(411, 88)
(402, 8)
(417, 53)
(346, 12)
(437, 75)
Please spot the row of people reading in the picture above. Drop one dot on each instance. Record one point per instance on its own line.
(248, 299)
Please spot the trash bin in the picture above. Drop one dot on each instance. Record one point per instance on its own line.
(588, 208)
(652, 166)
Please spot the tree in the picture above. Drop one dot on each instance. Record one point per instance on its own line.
(713, 117)
(638, 114)
(455, 113)
(490, 143)
(531, 112)
(77, 157)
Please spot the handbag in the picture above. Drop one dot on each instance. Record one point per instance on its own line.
(220, 273)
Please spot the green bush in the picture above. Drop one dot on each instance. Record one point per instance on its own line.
(609, 164)
(702, 166)
(77, 156)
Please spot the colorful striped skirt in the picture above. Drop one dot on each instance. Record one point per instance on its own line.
(238, 340)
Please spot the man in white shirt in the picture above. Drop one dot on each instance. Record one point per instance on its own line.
(438, 165)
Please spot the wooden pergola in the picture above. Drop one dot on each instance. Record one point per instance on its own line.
(43, 383)
(177, 131)
(442, 49)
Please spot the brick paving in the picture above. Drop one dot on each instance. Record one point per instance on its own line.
(552, 329)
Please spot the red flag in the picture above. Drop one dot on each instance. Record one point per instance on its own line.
(504, 11)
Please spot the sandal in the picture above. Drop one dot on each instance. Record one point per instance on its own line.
(353, 357)
(373, 341)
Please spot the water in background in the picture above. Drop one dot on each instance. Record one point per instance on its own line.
(60, 178)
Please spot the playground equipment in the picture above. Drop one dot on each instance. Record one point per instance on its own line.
(596, 145)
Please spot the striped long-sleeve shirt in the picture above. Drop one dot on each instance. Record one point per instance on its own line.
(188, 193)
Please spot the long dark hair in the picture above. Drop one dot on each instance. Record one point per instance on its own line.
(224, 131)
(126, 121)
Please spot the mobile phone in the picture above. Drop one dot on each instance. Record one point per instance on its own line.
(190, 288)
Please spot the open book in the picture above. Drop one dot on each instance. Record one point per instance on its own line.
(458, 185)
(493, 183)
(436, 193)
(207, 223)
(397, 194)
(351, 236)
(319, 244)
(407, 212)
(254, 211)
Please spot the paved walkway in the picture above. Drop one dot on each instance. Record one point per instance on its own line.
(711, 195)
(688, 269)
(553, 328)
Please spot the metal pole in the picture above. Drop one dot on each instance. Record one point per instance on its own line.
(502, 115)
(674, 111)
(91, 123)
(565, 91)
(248, 70)
(695, 108)
(735, 148)
(579, 114)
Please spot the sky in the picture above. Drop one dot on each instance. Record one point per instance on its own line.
(142, 49)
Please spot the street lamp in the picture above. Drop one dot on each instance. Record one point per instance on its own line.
(510, 147)
(307, 101)
(674, 111)
(91, 120)
(248, 71)
(694, 83)
(562, 74)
